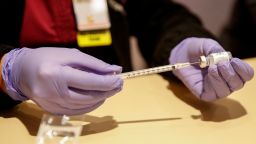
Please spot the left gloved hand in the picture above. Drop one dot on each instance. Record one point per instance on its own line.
(60, 80)
(215, 81)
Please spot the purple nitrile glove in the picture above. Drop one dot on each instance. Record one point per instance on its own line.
(215, 81)
(60, 80)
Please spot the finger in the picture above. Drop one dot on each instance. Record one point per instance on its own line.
(230, 76)
(192, 78)
(217, 82)
(208, 93)
(79, 60)
(94, 64)
(89, 97)
(90, 81)
(244, 70)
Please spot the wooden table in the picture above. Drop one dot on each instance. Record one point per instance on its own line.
(151, 110)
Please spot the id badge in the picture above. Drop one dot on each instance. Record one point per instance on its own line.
(94, 38)
(91, 14)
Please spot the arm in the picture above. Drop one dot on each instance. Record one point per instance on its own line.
(238, 36)
(160, 25)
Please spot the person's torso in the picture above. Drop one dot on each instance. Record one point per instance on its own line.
(53, 24)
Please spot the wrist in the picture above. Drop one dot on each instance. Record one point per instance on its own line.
(2, 85)
(9, 85)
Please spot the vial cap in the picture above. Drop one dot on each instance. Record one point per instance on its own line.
(203, 62)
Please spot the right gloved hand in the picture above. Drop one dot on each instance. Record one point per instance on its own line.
(60, 80)
(214, 82)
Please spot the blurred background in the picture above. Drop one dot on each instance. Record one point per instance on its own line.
(213, 13)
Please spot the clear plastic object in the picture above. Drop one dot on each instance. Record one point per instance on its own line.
(56, 129)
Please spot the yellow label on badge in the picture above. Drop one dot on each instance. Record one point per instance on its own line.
(94, 38)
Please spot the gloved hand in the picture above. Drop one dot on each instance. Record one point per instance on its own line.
(215, 81)
(60, 80)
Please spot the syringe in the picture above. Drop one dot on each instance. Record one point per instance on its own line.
(155, 70)
(213, 58)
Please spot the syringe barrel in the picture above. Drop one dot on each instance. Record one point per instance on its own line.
(154, 70)
(146, 71)
(214, 58)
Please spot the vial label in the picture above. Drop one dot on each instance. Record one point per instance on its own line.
(215, 58)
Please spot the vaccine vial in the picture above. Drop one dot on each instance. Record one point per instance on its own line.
(214, 58)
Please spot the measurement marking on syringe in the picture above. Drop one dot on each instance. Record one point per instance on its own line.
(154, 70)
